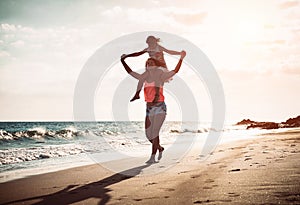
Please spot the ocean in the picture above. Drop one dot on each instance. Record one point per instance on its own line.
(38, 147)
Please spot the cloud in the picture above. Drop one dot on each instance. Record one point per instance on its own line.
(112, 12)
(4, 54)
(35, 59)
(41, 40)
(189, 18)
(273, 42)
(288, 4)
(292, 70)
(118, 15)
(170, 16)
(18, 43)
(7, 27)
(291, 65)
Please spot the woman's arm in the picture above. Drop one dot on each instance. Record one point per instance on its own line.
(128, 69)
(171, 73)
(171, 52)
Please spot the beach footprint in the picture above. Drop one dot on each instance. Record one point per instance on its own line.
(150, 183)
(232, 194)
(209, 181)
(222, 166)
(195, 176)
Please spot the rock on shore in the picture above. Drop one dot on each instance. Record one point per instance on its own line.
(292, 122)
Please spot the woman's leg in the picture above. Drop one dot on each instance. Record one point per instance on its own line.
(152, 125)
(158, 121)
(148, 130)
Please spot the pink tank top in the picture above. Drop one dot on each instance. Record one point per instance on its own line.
(149, 92)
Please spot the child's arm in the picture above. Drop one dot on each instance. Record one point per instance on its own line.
(136, 53)
(171, 73)
(171, 52)
(128, 69)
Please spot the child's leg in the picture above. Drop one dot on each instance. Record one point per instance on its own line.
(139, 86)
(138, 90)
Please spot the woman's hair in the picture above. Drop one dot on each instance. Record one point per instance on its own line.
(149, 38)
(157, 63)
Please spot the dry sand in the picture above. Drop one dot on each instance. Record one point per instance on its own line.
(261, 171)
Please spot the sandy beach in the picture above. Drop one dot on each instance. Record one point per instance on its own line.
(265, 170)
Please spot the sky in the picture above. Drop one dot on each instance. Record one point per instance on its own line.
(254, 46)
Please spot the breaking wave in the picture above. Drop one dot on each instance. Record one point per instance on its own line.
(39, 133)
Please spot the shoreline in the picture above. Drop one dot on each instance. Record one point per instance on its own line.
(86, 159)
(262, 170)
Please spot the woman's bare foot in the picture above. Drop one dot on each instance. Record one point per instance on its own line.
(160, 153)
(151, 160)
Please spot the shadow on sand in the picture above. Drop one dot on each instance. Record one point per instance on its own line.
(99, 190)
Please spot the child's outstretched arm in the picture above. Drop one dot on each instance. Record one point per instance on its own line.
(128, 69)
(171, 73)
(136, 53)
(171, 52)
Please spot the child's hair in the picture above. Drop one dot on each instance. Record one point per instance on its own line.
(157, 63)
(152, 38)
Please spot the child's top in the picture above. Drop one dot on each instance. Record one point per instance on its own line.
(157, 53)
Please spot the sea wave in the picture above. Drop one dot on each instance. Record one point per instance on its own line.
(202, 130)
(39, 133)
(17, 155)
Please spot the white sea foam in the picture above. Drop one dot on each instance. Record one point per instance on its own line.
(4, 135)
(17, 155)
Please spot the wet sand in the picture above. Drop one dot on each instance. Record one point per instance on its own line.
(260, 171)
